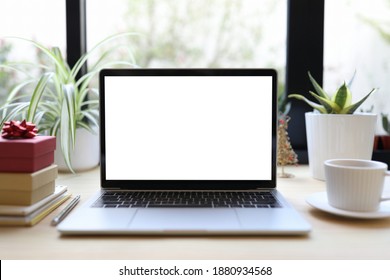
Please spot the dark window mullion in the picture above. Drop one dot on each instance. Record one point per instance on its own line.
(305, 48)
(76, 34)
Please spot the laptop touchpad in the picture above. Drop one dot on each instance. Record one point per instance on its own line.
(168, 219)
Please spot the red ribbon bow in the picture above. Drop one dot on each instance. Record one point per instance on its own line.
(17, 129)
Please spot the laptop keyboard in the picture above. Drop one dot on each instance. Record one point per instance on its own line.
(130, 199)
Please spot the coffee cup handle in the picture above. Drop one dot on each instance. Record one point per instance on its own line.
(387, 173)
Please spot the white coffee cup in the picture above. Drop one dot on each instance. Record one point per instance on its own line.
(355, 185)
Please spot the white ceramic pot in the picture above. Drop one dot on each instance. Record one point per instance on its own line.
(334, 136)
(86, 154)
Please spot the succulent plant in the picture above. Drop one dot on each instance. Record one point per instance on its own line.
(339, 103)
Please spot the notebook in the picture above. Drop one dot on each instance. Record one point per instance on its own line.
(187, 151)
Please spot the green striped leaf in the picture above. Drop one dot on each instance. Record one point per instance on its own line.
(37, 94)
(343, 96)
(330, 106)
(16, 111)
(315, 106)
(68, 125)
(318, 88)
(351, 109)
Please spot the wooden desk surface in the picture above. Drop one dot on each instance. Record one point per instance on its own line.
(332, 237)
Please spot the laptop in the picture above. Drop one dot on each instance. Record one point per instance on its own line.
(187, 152)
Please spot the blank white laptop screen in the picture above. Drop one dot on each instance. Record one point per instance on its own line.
(188, 127)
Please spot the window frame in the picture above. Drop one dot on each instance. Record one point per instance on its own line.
(76, 32)
(305, 52)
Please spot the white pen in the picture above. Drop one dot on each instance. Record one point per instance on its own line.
(57, 219)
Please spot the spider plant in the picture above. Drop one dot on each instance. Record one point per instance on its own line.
(61, 101)
(339, 103)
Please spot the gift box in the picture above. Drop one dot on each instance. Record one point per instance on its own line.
(27, 188)
(26, 155)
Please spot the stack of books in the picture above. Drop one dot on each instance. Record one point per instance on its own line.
(27, 180)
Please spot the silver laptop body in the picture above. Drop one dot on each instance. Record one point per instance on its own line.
(190, 134)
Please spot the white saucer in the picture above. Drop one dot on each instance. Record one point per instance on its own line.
(320, 201)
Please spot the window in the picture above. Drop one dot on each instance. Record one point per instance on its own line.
(39, 20)
(202, 33)
(357, 37)
(185, 33)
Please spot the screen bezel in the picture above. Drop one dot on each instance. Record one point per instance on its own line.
(186, 184)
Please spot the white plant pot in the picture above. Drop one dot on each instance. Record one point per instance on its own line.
(85, 154)
(332, 136)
